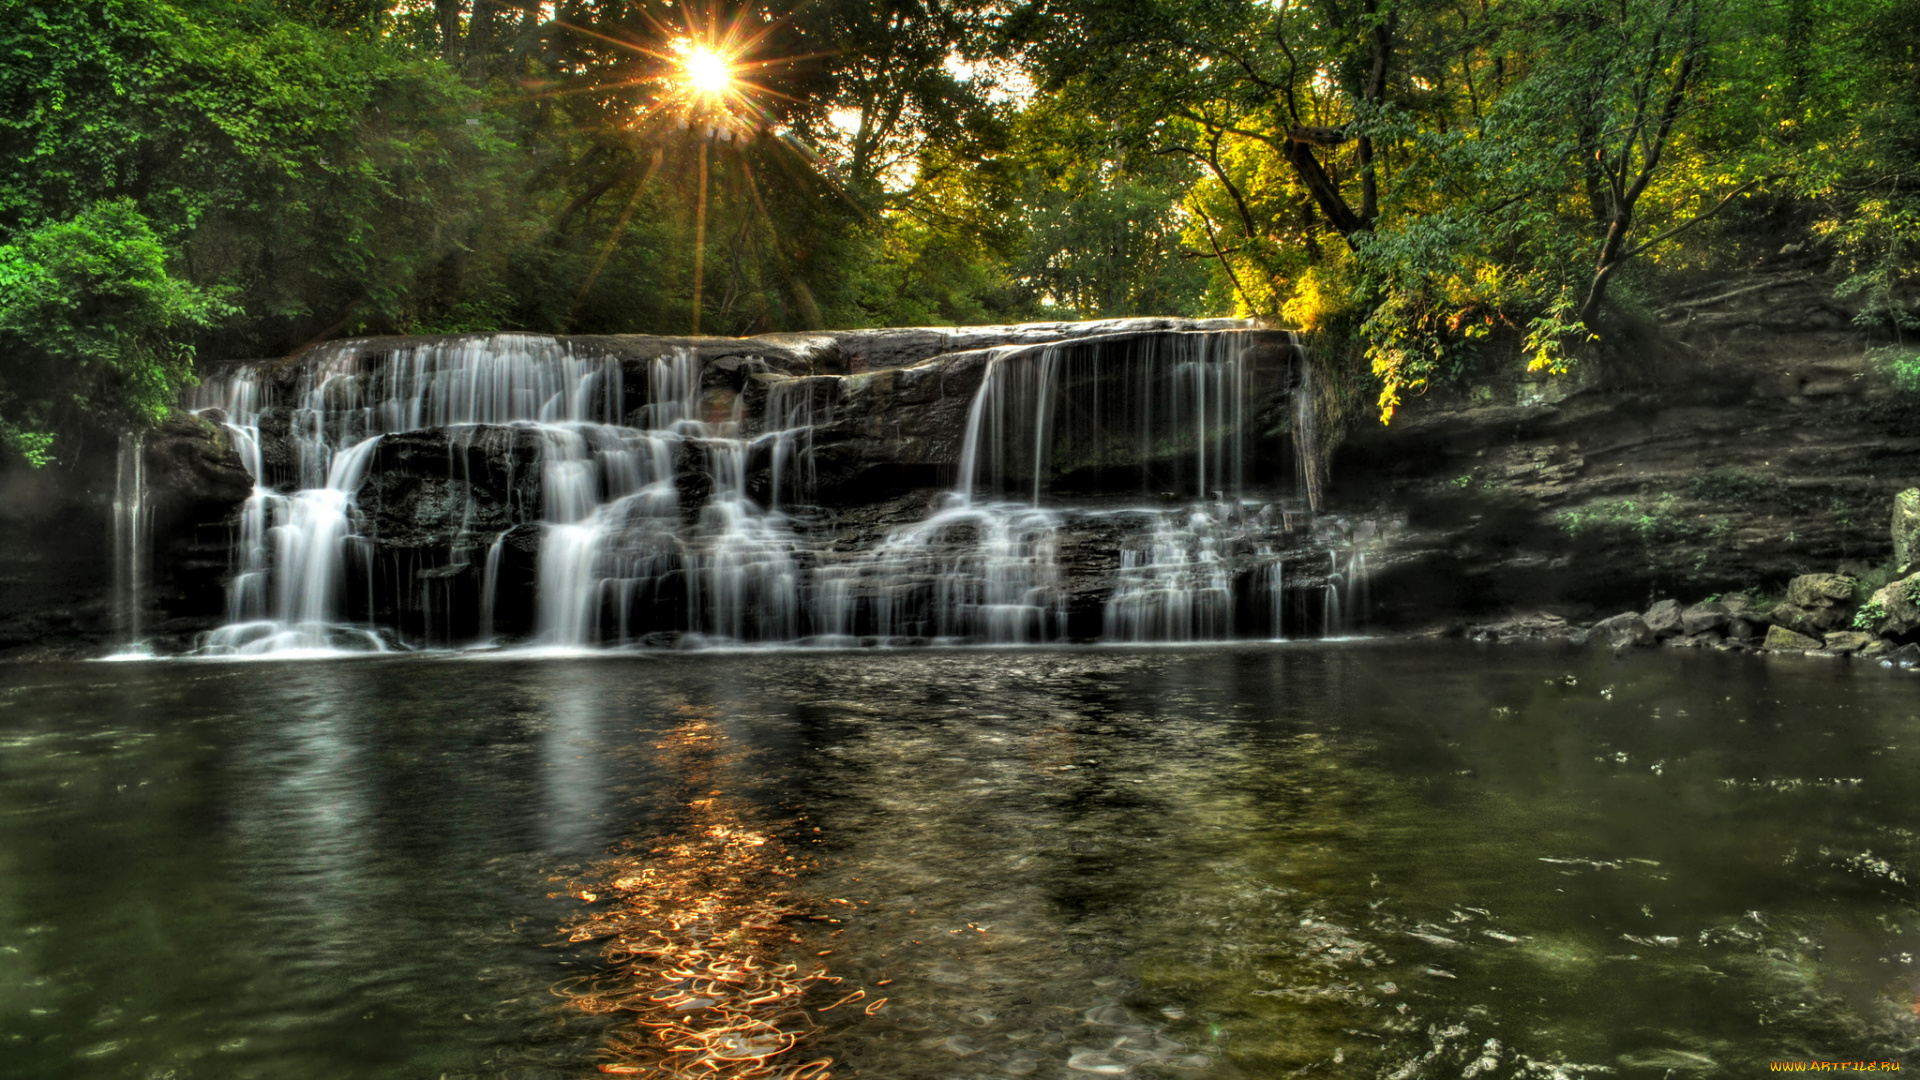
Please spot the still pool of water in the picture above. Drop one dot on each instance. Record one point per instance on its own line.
(1363, 859)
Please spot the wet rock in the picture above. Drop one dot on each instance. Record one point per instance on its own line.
(1664, 618)
(1848, 641)
(1875, 649)
(884, 428)
(1905, 656)
(1705, 618)
(1533, 626)
(1625, 630)
(1781, 639)
(1906, 527)
(192, 465)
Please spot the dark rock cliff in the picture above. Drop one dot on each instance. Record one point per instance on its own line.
(1756, 441)
(1747, 454)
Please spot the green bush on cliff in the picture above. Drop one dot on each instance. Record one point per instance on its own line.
(91, 324)
(1657, 520)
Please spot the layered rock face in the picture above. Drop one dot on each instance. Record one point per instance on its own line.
(1737, 466)
(118, 541)
(1128, 481)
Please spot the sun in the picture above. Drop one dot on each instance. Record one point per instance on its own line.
(704, 70)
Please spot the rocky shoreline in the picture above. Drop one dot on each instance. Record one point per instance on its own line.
(1841, 615)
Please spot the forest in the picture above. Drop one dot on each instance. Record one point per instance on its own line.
(1415, 184)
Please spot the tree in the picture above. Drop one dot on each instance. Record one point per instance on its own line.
(92, 325)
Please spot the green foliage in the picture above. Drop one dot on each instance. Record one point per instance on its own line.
(1901, 365)
(1650, 521)
(1869, 615)
(1422, 190)
(92, 323)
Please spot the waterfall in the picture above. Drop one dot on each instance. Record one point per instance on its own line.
(1170, 409)
(968, 573)
(292, 549)
(1175, 586)
(1332, 617)
(589, 500)
(132, 546)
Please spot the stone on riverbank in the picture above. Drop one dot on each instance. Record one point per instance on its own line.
(1704, 618)
(1897, 614)
(1905, 656)
(1781, 639)
(1848, 641)
(1625, 630)
(1816, 604)
(1664, 619)
(1906, 527)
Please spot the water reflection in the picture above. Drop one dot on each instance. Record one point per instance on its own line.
(1399, 861)
(574, 782)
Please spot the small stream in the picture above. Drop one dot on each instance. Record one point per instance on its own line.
(1365, 859)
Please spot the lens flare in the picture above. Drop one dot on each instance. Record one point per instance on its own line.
(706, 71)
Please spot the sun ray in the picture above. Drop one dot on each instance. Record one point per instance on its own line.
(700, 238)
(619, 230)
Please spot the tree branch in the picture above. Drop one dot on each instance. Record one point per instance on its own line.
(1690, 222)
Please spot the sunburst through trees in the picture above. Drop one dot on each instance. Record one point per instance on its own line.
(704, 99)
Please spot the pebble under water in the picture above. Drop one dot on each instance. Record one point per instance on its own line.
(1373, 859)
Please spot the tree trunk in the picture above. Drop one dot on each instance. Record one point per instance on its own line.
(1341, 216)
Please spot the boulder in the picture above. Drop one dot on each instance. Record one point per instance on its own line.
(1820, 590)
(1624, 630)
(193, 468)
(1816, 604)
(1781, 639)
(1813, 622)
(1664, 619)
(1741, 630)
(1905, 656)
(1848, 641)
(1906, 527)
(1875, 649)
(1894, 611)
(1705, 619)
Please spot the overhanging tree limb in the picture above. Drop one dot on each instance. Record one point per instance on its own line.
(1725, 202)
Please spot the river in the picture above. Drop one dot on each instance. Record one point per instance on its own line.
(1357, 859)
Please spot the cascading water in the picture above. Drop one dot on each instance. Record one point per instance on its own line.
(968, 573)
(591, 500)
(291, 558)
(1176, 586)
(132, 547)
